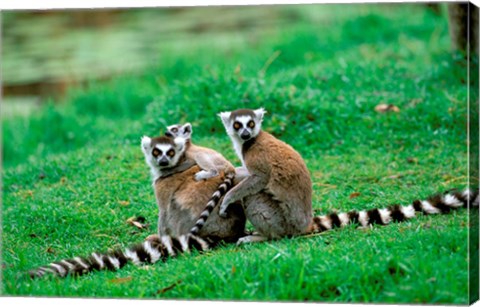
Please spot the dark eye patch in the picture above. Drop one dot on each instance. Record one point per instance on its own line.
(174, 130)
(171, 153)
(156, 152)
(251, 124)
(237, 125)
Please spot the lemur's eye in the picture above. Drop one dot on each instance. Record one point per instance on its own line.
(170, 153)
(237, 125)
(174, 130)
(156, 152)
(251, 124)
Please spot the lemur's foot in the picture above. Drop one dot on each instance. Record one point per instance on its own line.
(251, 239)
(201, 175)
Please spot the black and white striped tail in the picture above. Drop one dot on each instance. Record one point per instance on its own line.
(213, 202)
(150, 251)
(437, 204)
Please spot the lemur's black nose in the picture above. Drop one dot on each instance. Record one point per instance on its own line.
(163, 161)
(245, 135)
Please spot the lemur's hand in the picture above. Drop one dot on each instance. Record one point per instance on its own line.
(224, 206)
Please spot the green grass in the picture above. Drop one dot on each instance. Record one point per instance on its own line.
(74, 173)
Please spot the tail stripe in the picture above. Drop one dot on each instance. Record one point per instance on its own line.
(118, 254)
(184, 243)
(132, 255)
(397, 213)
(428, 208)
(199, 243)
(417, 205)
(81, 263)
(153, 253)
(326, 222)
(451, 200)
(142, 254)
(177, 246)
(96, 260)
(115, 263)
(353, 216)
(408, 211)
(335, 220)
(363, 218)
(205, 214)
(385, 216)
(167, 242)
(58, 268)
(343, 219)
(68, 265)
(48, 270)
(438, 202)
(108, 264)
(374, 217)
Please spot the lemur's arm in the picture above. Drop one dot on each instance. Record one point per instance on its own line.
(177, 169)
(252, 184)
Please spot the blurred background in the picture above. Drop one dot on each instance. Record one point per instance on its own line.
(75, 68)
(46, 52)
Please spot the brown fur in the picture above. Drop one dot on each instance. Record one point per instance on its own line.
(284, 206)
(181, 199)
(209, 159)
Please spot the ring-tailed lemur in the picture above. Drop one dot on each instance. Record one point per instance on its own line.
(210, 161)
(183, 212)
(276, 191)
(180, 198)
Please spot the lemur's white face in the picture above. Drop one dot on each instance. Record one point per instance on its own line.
(243, 124)
(162, 152)
(178, 130)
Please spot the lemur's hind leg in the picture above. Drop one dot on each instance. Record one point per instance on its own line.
(268, 217)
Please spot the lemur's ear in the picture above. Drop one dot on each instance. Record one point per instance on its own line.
(146, 143)
(259, 113)
(225, 116)
(187, 130)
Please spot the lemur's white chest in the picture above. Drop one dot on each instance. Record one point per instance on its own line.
(238, 145)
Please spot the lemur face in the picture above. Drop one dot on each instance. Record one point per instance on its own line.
(243, 124)
(184, 131)
(163, 152)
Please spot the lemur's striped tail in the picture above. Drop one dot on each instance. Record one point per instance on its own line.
(213, 202)
(150, 251)
(440, 203)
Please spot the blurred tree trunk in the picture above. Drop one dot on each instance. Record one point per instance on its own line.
(463, 21)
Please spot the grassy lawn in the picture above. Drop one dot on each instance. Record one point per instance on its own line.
(74, 172)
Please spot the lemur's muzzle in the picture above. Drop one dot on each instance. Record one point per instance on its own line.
(245, 135)
(163, 161)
